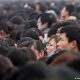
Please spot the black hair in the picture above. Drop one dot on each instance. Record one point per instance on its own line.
(70, 8)
(72, 33)
(15, 35)
(38, 45)
(5, 66)
(45, 17)
(30, 24)
(65, 73)
(32, 33)
(54, 28)
(24, 39)
(4, 27)
(33, 71)
(17, 20)
(20, 56)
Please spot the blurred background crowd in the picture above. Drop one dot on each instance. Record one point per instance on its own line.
(39, 39)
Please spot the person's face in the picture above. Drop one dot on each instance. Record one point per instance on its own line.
(63, 43)
(38, 54)
(40, 25)
(64, 12)
(37, 7)
(2, 34)
(51, 46)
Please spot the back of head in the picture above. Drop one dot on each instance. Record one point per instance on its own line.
(17, 20)
(5, 61)
(46, 18)
(20, 56)
(65, 73)
(30, 24)
(4, 27)
(56, 26)
(32, 34)
(5, 66)
(70, 8)
(36, 45)
(33, 71)
(15, 35)
(25, 39)
(3, 50)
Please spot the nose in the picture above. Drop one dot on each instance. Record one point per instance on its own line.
(37, 23)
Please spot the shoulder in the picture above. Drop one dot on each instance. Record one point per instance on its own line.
(72, 18)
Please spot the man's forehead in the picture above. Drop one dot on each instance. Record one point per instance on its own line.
(39, 19)
(61, 35)
(64, 8)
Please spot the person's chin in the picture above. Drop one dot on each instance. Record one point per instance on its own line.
(59, 48)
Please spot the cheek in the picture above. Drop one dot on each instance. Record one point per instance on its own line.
(39, 25)
(50, 49)
(63, 13)
(64, 45)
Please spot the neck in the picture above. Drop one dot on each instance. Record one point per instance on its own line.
(66, 17)
(76, 49)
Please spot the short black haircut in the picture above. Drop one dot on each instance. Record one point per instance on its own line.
(38, 45)
(70, 8)
(5, 27)
(17, 20)
(72, 33)
(56, 26)
(46, 18)
(32, 33)
(24, 39)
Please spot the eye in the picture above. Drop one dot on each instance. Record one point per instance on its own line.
(50, 45)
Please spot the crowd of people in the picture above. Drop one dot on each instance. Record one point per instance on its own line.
(39, 41)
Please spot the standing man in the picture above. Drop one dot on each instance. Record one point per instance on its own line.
(69, 38)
